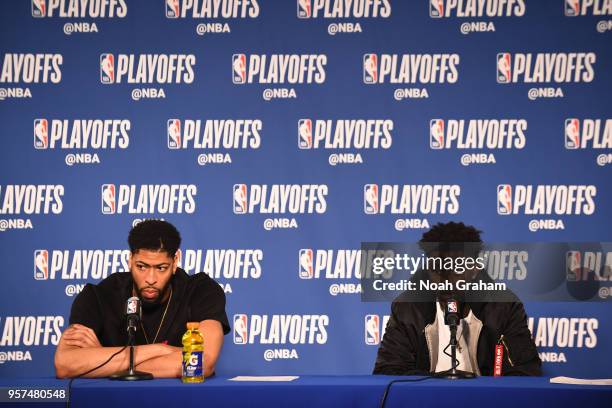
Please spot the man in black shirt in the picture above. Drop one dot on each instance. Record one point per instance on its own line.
(416, 335)
(170, 298)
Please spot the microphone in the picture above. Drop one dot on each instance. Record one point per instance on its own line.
(451, 313)
(452, 317)
(133, 313)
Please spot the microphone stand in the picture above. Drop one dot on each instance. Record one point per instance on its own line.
(453, 373)
(130, 374)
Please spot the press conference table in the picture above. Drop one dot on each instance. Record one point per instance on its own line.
(326, 391)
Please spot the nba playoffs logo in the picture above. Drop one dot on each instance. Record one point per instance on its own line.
(174, 134)
(572, 133)
(304, 9)
(306, 270)
(39, 8)
(436, 133)
(504, 72)
(572, 8)
(178, 257)
(107, 68)
(372, 330)
(305, 134)
(504, 199)
(370, 68)
(239, 68)
(240, 329)
(41, 264)
(109, 205)
(370, 199)
(240, 199)
(573, 266)
(41, 129)
(436, 8)
(172, 8)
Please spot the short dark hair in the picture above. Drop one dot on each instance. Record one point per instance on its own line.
(154, 235)
(452, 233)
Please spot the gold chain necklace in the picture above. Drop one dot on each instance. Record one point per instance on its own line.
(160, 323)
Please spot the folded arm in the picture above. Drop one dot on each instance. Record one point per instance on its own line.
(170, 365)
(79, 350)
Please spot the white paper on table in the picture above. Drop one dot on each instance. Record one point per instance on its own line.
(581, 381)
(268, 378)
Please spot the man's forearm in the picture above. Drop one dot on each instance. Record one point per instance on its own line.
(166, 366)
(70, 362)
(171, 365)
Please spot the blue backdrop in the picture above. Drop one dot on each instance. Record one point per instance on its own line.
(272, 134)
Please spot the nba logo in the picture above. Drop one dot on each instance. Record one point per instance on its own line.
(436, 8)
(451, 307)
(240, 199)
(370, 199)
(305, 134)
(504, 199)
(372, 330)
(303, 9)
(107, 68)
(504, 71)
(132, 305)
(38, 8)
(108, 199)
(174, 134)
(239, 68)
(573, 266)
(370, 70)
(172, 8)
(41, 139)
(240, 329)
(572, 133)
(572, 8)
(305, 267)
(436, 133)
(41, 264)
(178, 257)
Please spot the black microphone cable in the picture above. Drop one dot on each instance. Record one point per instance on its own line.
(388, 387)
(450, 355)
(89, 371)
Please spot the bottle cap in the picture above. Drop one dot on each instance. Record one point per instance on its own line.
(193, 325)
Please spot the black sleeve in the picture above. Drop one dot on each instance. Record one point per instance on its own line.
(85, 310)
(398, 348)
(208, 303)
(521, 348)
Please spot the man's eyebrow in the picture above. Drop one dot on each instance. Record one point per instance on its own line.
(146, 264)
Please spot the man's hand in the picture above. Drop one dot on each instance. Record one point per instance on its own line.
(79, 351)
(81, 336)
(169, 364)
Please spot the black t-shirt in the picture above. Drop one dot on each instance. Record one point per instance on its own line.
(101, 307)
